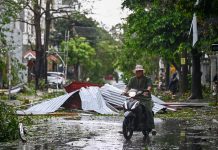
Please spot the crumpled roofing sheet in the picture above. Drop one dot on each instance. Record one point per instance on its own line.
(92, 100)
(47, 106)
(113, 96)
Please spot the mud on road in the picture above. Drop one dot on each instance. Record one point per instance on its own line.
(91, 132)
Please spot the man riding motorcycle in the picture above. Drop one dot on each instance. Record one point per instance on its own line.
(143, 83)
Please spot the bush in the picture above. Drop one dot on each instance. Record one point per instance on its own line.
(9, 123)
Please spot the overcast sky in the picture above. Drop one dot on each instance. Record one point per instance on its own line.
(108, 12)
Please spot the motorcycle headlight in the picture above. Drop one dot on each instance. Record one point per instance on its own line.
(132, 94)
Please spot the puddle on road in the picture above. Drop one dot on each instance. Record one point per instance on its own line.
(102, 132)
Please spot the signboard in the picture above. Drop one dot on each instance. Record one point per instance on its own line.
(183, 61)
(214, 47)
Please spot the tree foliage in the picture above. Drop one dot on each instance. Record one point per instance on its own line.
(80, 53)
(9, 10)
(79, 50)
(8, 13)
(106, 48)
(154, 29)
(9, 123)
(161, 28)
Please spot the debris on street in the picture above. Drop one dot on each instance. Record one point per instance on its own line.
(14, 90)
(104, 100)
(92, 99)
(47, 106)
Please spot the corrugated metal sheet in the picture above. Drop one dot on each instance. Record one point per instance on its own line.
(157, 107)
(120, 85)
(92, 100)
(157, 100)
(113, 96)
(47, 106)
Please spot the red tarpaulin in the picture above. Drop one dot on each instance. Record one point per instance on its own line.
(78, 85)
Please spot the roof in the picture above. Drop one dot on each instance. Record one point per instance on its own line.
(52, 58)
(31, 54)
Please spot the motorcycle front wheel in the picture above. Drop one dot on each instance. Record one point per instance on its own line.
(127, 129)
(145, 133)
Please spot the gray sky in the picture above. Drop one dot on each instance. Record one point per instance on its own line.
(108, 12)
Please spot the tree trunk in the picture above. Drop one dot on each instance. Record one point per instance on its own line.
(46, 37)
(38, 48)
(76, 71)
(76, 67)
(196, 89)
(167, 77)
(183, 81)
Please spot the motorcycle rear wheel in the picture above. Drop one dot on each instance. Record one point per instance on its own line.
(127, 131)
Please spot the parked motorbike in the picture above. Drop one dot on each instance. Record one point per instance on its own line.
(134, 113)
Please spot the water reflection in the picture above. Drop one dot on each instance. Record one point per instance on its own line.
(102, 132)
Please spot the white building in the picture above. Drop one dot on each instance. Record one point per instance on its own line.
(21, 36)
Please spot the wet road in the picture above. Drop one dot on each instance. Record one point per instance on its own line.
(91, 132)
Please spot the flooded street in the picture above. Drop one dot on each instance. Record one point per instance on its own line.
(92, 132)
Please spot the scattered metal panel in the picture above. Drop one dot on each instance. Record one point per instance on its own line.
(92, 100)
(177, 104)
(47, 106)
(15, 89)
(157, 100)
(111, 107)
(120, 85)
(113, 96)
(157, 107)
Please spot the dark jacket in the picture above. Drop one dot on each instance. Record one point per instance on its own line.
(139, 83)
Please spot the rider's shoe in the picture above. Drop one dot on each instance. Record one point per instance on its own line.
(153, 132)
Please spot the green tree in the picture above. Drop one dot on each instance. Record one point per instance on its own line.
(106, 47)
(9, 10)
(43, 10)
(79, 53)
(206, 12)
(161, 27)
(9, 123)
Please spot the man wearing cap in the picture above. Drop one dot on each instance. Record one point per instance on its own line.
(141, 82)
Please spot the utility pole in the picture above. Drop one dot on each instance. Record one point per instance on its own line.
(67, 37)
(216, 81)
(9, 75)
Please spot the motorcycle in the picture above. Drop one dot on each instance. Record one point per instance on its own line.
(135, 117)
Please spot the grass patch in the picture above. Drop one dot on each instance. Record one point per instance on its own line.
(213, 104)
(183, 114)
